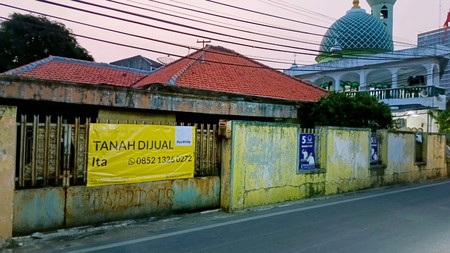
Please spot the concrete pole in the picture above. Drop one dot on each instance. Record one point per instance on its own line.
(8, 133)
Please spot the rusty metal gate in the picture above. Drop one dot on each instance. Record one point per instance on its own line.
(53, 152)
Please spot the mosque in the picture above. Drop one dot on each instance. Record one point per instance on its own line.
(357, 55)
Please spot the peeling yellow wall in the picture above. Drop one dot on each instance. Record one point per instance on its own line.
(264, 164)
(400, 157)
(435, 159)
(401, 161)
(261, 165)
(116, 116)
(225, 175)
(7, 169)
(348, 160)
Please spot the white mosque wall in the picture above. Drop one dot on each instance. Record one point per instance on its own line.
(416, 120)
(435, 102)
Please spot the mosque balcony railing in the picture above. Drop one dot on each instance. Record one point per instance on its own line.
(402, 92)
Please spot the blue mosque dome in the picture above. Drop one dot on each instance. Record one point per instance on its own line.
(356, 33)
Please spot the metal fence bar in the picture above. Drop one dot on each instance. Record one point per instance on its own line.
(208, 149)
(215, 151)
(45, 168)
(46, 156)
(76, 149)
(86, 147)
(22, 141)
(202, 149)
(307, 130)
(34, 150)
(197, 150)
(58, 140)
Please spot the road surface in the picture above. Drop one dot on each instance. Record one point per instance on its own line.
(410, 219)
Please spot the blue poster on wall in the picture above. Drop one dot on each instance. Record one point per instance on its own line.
(307, 152)
(374, 149)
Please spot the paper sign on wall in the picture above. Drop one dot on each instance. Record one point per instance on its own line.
(307, 152)
(120, 154)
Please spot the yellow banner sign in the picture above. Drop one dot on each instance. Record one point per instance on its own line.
(120, 154)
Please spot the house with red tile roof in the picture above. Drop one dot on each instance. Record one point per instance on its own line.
(216, 68)
(210, 84)
(54, 68)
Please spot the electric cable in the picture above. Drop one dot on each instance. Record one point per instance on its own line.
(225, 41)
(217, 25)
(264, 14)
(283, 62)
(184, 33)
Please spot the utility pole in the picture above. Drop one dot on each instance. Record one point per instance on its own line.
(203, 42)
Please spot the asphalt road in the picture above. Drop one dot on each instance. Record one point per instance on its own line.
(409, 219)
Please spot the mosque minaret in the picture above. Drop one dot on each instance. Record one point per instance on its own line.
(383, 10)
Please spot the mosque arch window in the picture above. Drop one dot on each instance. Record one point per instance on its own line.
(379, 79)
(350, 82)
(349, 86)
(326, 82)
(412, 76)
(327, 85)
(416, 80)
(384, 14)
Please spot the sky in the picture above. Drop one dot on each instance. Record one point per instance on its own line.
(161, 30)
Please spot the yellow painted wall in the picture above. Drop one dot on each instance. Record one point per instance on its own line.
(8, 132)
(400, 157)
(123, 116)
(401, 164)
(347, 159)
(261, 165)
(264, 159)
(435, 159)
(225, 175)
(264, 166)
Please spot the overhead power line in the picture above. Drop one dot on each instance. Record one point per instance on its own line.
(239, 20)
(283, 18)
(292, 7)
(181, 32)
(217, 25)
(255, 66)
(267, 14)
(142, 37)
(133, 35)
(196, 35)
(151, 50)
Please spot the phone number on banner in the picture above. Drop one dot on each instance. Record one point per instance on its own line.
(160, 159)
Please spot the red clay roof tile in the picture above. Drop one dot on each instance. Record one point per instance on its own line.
(71, 70)
(220, 69)
(213, 68)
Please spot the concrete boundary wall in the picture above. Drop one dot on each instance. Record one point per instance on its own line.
(54, 208)
(399, 156)
(37, 210)
(346, 159)
(260, 165)
(8, 132)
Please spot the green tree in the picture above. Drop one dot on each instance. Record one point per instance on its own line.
(443, 120)
(26, 38)
(361, 110)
